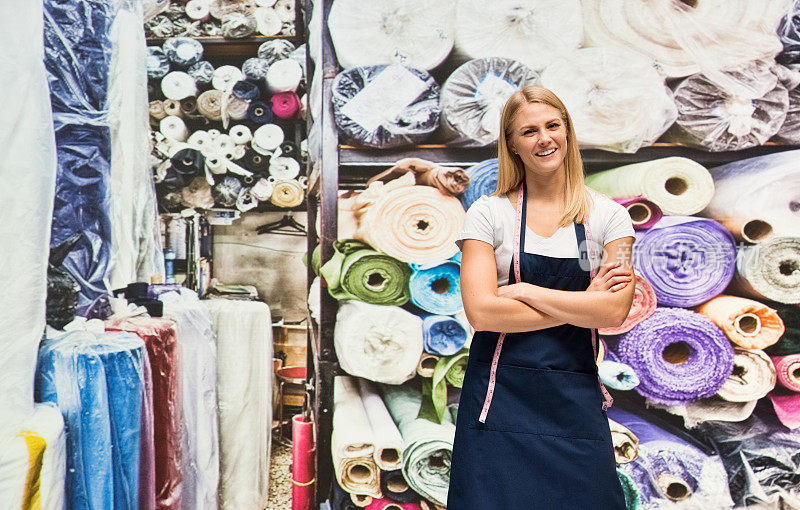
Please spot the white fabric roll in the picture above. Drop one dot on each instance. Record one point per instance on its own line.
(244, 368)
(225, 76)
(178, 85)
(534, 33)
(415, 33)
(223, 143)
(285, 10)
(238, 152)
(197, 10)
(268, 137)
(173, 128)
(215, 162)
(388, 442)
(284, 76)
(267, 21)
(769, 270)
(265, 3)
(240, 134)
(616, 98)
(284, 168)
(199, 140)
(379, 343)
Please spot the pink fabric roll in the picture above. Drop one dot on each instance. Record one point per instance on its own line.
(388, 504)
(644, 304)
(285, 105)
(147, 449)
(302, 464)
(644, 213)
(785, 397)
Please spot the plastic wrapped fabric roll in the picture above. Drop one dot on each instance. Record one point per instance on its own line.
(428, 446)
(379, 343)
(284, 76)
(677, 185)
(410, 223)
(443, 335)
(358, 272)
(244, 336)
(225, 76)
(789, 342)
(209, 104)
(285, 105)
(436, 288)
(202, 72)
(644, 213)
(183, 51)
(643, 306)
(679, 356)
(714, 118)
(685, 39)
(448, 180)
(789, 33)
(97, 383)
(386, 438)
(77, 49)
(413, 33)
(686, 260)
(219, 8)
(287, 193)
(267, 21)
(591, 81)
(259, 112)
(482, 181)
(618, 376)
(275, 50)
(353, 440)
(769, 270)
(789, 133)
(157, 63)
(632, 501)
(747, 323)
(474, 95)
(238, 26)
(147, 448)
(255, 69)
(200, 434)
(385, 106)
(178, 85)
(773, 194)
(753, 377)
(227, 190)
(395, 487)
(388, 504)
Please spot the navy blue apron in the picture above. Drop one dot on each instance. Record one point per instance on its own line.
(545, 442)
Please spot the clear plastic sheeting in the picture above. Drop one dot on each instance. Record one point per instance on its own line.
(789, 133)
(473, 97)
(789, 32)
(27, 169)
(77, 56)
(616, 98)
(415, 33)
(244, 392)
(535, 32)
(385, 106)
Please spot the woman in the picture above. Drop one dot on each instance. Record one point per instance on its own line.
(532, 430)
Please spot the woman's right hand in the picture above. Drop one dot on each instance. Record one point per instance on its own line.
(611, 278)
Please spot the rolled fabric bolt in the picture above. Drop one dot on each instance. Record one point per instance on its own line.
(262, 189)
(240, 134)
(482, 181)
(786, 396)
(753, 377)
(748, 230)
(154, 90)
(427, 364)
(219, 8)
(747, 323)
(246, 201)
(188, 163)
(161, 26)
(236, 108)
(173, 107)
(285, 10)
(197, 10)
(769, 270)
(156, 110)
(259, 112)
(395, 487)
(246, 90)
(284, 168)
(255, 69)
(226, 191)
(285, 105)
(173, 128)
(225, 76)
(276, 49)
(625, 442)
(256, 162)
(157, 63)
(183, 51)
(239, 151)
(443, 335)
(644, 213)
(202, 72)
(199, 140)
(215, 162)
(267, 21)
(178, 85)
(223, 143)
(265, 3)
(618, 376)
(289, 150)
(284, 76)
(436, 287)
(790, 341)
(237, 25)
(213, 133)
(643, 306)
(361, 500)
(268, 137)
(209, 103)
(287, 194)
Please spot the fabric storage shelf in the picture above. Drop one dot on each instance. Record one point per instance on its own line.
(221, 48)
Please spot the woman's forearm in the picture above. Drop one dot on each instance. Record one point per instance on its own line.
(587, 309)
(505, 315)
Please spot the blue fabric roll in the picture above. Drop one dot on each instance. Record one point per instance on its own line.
(183, 51)
(202, 72)
(442, 335)
(97, 383)
(246, 90)
(260, 112)
(77, 57)
(436, 288)
(482, 181)
(157, 63)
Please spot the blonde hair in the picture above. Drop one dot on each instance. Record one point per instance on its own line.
(577, 201)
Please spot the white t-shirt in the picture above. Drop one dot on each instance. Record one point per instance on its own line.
(491, 219)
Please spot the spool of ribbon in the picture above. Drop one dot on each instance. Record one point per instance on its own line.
(275, 49)
(284, 76)
(188, 163)
(686, 260)
(240, 134)
(255, 69)
(753, 377)
(178, 85)
(259, 112)
(267, 21)
(202, 72)
(237, 25)
(156, 110)
(747, 323)
(285, 105)
(197, 10)
(157, 63)
(644, 213)
(789, 343)
(183, 51)
(209, 104)
(287, 194)
(769, 270)
(427, 364)
(267, 137)
(227, 191)
(482, 181)
(173, 107)
(618, 376)
(643, 306)
(225, 76)
(246, 90)
(443, 335)
(284, 168)
(436, 288)
(173, 128)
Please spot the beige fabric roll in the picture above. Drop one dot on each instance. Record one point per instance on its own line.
(753, 377)
(209, 103)
(427, 364)
(625, 443)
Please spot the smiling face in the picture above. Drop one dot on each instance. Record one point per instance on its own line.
(538, 135)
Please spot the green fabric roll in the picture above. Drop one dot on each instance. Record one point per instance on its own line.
(434, 390)
(789, 343)
(358, 272)
(632, 500)
(427, 446)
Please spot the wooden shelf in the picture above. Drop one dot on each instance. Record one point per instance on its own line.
(219, 48)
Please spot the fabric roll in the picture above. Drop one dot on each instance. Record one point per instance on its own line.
(385, 106)
(235, 108)
(753, 377)
(283, 169)
(287, 193)
(183, 51)
(591, 81)
(157, 63)
(173, 107)
(789, 133)
(256, 163)
(285, 105)
(747, 323)
(714, 408)
(436, 288)
(625, 443)
(427, 365)
(386, 438)
(482, 181)
(745, 114)
(188, 163)
(163, 349)
(255, 69)
(379, 343)
(388, 504)
(96, 382)
(443, 335)
(686, 260)
(267, 21)
(240, 134)
(156, 110)
(769, 270)
(237, 25)
(244, 389)
(276, 49)
(644, 213)
(643, 306)
(340, 500)
(353, 440)
(202, 72)
(209, 104)
(290, 149)
(789, 343)
(428, 446)
(632, 501)
(197, 10)
(448, 370)
(246, 90)
(284, 76)
(473, 96)
(449, 180)
(395, 487)
(677, 185)
(618, 376)
(773, 192)
(259, 112)
(225, 76)
(414, 33)
(787, 370)
(679, 356)
(147, 447)
(227, 190)
(410, 223)
(219, 8)
(789, 33)
(173, 128)
(178, 85)
(358, 272)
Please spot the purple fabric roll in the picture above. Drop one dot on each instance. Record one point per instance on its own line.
(644, 213)
(686, 260)
(679, 355)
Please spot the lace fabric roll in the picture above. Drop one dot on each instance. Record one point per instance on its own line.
(436, 288)
(747, 323)
(643, 306)
(769, 270)
(473, 96)
(385, 106)
(414, 33)
(593, 81)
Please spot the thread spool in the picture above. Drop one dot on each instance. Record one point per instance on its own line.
(284, 76)
(225, 76)
(277, 49)
(259, 112)
(197, 10)
(202, 72)
(255, 69)
(268, 137)
(240, 134)
(183, 51)
(283, 168)
(173, 128)
(178, 85)
(285, 105)
(157, 63)
(209, 104)
(172, 107)
(267, 21)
